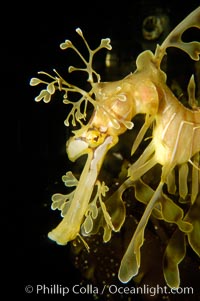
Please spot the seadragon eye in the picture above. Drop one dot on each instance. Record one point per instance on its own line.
(94, 138)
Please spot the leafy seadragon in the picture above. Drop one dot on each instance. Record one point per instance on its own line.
(174, 145)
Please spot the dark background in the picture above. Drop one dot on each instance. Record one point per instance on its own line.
(36, 156)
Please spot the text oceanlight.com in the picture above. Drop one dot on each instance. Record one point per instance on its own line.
(77, 289)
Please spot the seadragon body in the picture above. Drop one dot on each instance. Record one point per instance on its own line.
(175, 143)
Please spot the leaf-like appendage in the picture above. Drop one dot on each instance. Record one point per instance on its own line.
(172, 213)
(130, 263)
(191, 89)
(193, 218)
(51, 88)
(174, 254)
(66, 44)
(62, 202)
(35, 81)
(58, 200)
(174, 39)
(88, 224)
(194, 237)
(69, 179)
(105, 43)
(45, 95)
(78, 111)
